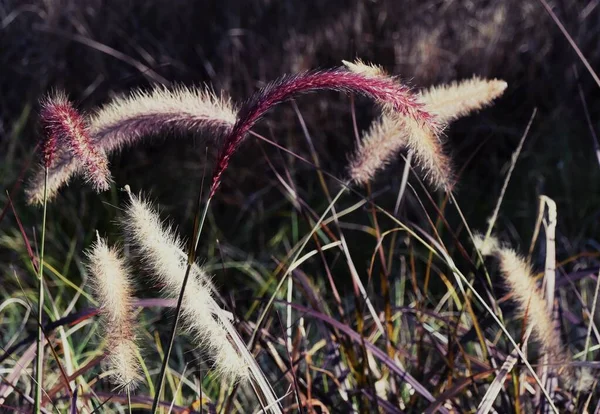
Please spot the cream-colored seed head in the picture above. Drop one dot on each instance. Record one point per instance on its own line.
(125, 120)
(393, 132)
(459, 99)
(56, 180)
(113, 289)
(529, 298)
(161, 250)
(368, 69)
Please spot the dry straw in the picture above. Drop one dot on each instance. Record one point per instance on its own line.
(393, 132)
(530, 301)
(125, 120)
(113, 288)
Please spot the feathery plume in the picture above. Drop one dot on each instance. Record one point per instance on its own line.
(459, 99)
(392, 133)
(161, 250)
(113, 289)
(378, 150)
(125, 120)
(70, 131)
(368, 69)
(383, 89)
(531, 303)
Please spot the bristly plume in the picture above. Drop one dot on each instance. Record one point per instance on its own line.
(385, 90)
(126, 120)
(529, 298)
(113, 289)
(70, 129)
(392, 133)
(378, 149)
(368, 69)
(162, 251)
(47, 119)
(458, 99)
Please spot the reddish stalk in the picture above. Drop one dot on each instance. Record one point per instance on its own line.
(386, 90)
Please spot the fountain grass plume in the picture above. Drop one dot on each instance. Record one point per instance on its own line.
(161, 250)
(113, 288)
(385, 90)
(519, 279)
(67, 135)
(391, 133)
(124, 121)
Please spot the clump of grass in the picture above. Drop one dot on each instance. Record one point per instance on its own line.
(113, 286)
(334, 360)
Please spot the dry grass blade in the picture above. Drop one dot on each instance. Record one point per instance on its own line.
(550, 282)
(485, 406)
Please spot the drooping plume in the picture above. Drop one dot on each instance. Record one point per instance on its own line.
(391, 133)
(385, 90)
(531, 303)
(68, 135)
(162, 251)
(126, 120)
(114, 289)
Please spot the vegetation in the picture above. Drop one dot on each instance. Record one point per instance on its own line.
(185, 229)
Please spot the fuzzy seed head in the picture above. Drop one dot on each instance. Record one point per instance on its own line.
(386, 91)
(393, 132)
(68, 133)
(531, 303)
(459, 99)
(162, 251)
(113, 289)
(126, 120)
(367, 69)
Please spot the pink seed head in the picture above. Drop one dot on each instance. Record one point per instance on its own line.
(385, 90)
(65, 126)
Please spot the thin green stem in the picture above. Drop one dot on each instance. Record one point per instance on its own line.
(191, 257)
(39, 360)
(129, 399)
(291, 267)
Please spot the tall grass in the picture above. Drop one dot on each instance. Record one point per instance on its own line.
(340, 284)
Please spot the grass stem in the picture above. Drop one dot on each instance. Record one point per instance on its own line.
(39, 359)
